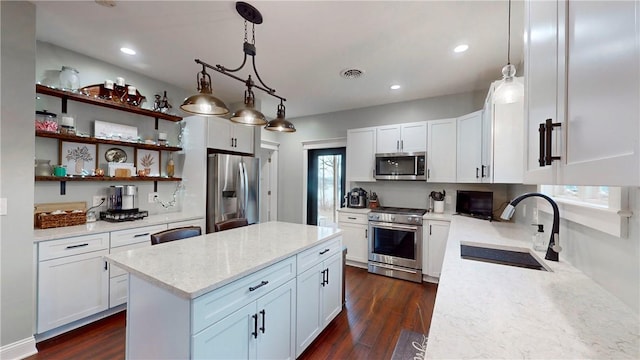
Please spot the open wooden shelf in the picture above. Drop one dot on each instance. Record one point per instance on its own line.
(92, 140)
(106, 178)
(66, 95)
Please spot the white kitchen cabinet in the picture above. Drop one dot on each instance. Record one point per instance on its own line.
(262, 329)
(225, 135)
(319, 292)
(469, 143)
(436, 234)
(409, 137)
(73, 279)
(596, 111)
(123, 240)
(441, 153)
(355, 227)
(505, 163)
(361, 148)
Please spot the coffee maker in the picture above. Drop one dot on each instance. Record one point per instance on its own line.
(121, 204)
(357, 198)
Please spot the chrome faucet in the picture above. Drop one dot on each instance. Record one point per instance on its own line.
(554, 242)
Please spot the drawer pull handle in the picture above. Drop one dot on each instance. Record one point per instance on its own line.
(262, 313)
(255, 326)
(140, 235)
(351, 218)
(263, 283)
(77, 246)
(324, 251)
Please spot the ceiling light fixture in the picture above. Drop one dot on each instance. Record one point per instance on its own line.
(461, 48)
(280, 123)
(206, 104)
(128, 51)
(510, 90)
(394, 87)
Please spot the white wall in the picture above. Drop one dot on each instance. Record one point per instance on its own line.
(335, 125)
(17, 50)
(49, 61)
(612, 262)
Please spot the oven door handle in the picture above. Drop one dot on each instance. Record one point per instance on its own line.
(391, 226)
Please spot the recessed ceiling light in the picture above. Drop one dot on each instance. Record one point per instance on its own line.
(394, 87)
(461, 48)
(128, 51)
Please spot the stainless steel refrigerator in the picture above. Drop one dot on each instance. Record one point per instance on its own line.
(233, 184)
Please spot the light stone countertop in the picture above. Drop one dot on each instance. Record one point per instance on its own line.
(434, 216)
(195, 266)
(485, 310)
(354, 210)
(105, 226)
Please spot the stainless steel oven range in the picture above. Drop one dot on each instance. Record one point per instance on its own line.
(395, 242)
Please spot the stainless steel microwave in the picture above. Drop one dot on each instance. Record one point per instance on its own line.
(401, 166)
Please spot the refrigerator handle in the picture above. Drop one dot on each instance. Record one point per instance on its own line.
(245, 189)
(241, 209)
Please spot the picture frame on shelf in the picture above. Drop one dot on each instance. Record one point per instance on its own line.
(79, 158)
(148, 161)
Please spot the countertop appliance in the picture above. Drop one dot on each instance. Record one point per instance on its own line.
(232, 188)
(357, 198)
(395, 242)
(401, 166)
(475, 203)
(121, 204)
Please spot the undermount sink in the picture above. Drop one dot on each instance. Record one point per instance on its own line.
(517, 258)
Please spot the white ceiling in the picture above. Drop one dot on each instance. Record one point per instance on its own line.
(301, 46)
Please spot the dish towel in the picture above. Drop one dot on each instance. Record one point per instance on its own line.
(411, 345)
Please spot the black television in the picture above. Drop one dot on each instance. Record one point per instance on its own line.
(477, 204)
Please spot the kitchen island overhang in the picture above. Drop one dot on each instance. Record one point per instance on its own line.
(179, 292)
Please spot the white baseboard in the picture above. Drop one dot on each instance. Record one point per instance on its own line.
(19, 349)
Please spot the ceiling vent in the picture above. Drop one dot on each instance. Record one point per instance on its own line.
(352, 73)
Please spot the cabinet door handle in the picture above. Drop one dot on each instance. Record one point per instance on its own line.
(231, 142)
(477, 176)
(324, 251)
(141, 235)
(77, 246)
(263, 283)
(106, 266)
(327, 276)
(541, 130)
(255, 326)
(366, 233)
(430, 229)
(262, 327)
(549, 125)
(351, 218)
(324, 277)
(401, 144)
(235, 142)
(397, 144)
(482, 172)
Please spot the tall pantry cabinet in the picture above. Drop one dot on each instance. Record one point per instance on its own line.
(582, 91)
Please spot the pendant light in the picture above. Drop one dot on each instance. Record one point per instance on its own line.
(248, 115)
(280, 123)
(204, 103)
(510, 90)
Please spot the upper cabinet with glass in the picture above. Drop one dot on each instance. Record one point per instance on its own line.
(582, 91)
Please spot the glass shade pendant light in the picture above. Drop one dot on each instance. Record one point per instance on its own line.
(280, 123)
(204, 103)
(249, 115)
(510, 90)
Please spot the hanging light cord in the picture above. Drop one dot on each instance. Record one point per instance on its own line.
(509, 37)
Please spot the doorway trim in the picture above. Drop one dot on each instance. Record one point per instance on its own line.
(273, 174)
(313, 145)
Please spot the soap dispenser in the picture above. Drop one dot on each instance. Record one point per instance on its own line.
(539, 238)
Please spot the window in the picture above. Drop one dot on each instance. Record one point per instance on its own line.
(603, 208)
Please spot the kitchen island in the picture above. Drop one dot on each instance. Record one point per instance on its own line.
(264, 290)
(486, 310)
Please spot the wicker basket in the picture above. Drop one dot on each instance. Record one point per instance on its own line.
(74, 213)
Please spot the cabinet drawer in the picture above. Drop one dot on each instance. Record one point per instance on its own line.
(212, 307)
(308, 258)
(352, 218)
(132, 236)
(116, 271)
(72, 246)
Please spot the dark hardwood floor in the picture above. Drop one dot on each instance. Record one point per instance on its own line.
(377, 309)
